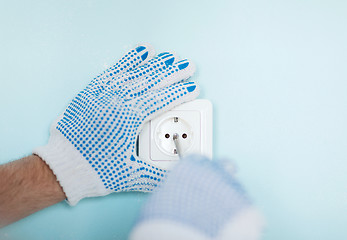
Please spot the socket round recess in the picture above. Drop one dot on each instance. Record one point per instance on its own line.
(165, 131)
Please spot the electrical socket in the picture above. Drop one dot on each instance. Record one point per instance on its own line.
(192, 121)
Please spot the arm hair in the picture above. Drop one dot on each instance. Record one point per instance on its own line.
(26, 186)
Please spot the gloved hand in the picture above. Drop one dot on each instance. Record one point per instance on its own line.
(199, 200)
(91, 148)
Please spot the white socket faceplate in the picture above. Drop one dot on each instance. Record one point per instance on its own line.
(192, 122)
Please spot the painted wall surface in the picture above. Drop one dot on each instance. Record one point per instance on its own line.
(274, 70)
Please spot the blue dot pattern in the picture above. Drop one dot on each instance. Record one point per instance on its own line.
(198, 193)
(103, 121)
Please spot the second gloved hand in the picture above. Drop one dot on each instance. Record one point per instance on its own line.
(91, 148)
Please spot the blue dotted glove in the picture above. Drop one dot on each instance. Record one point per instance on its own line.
(199, 200)
(91, 148)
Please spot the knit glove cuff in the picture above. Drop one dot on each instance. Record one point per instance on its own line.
(75, 174)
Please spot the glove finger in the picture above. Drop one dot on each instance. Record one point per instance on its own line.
(177, 72)
(156, 102)
(130, 61)
(181, 70)
(155, 65)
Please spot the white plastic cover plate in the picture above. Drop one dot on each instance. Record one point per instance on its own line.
(192, 122)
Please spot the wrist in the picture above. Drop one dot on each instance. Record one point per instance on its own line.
(48, 177)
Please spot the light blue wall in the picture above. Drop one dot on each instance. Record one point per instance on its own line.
(274, 70)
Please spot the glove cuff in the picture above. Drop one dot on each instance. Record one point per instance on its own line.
(75, 175)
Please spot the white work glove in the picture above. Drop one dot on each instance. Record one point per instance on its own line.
(199, 200)
(91, 148)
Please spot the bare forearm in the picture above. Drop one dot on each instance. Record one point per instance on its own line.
(26, 186)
